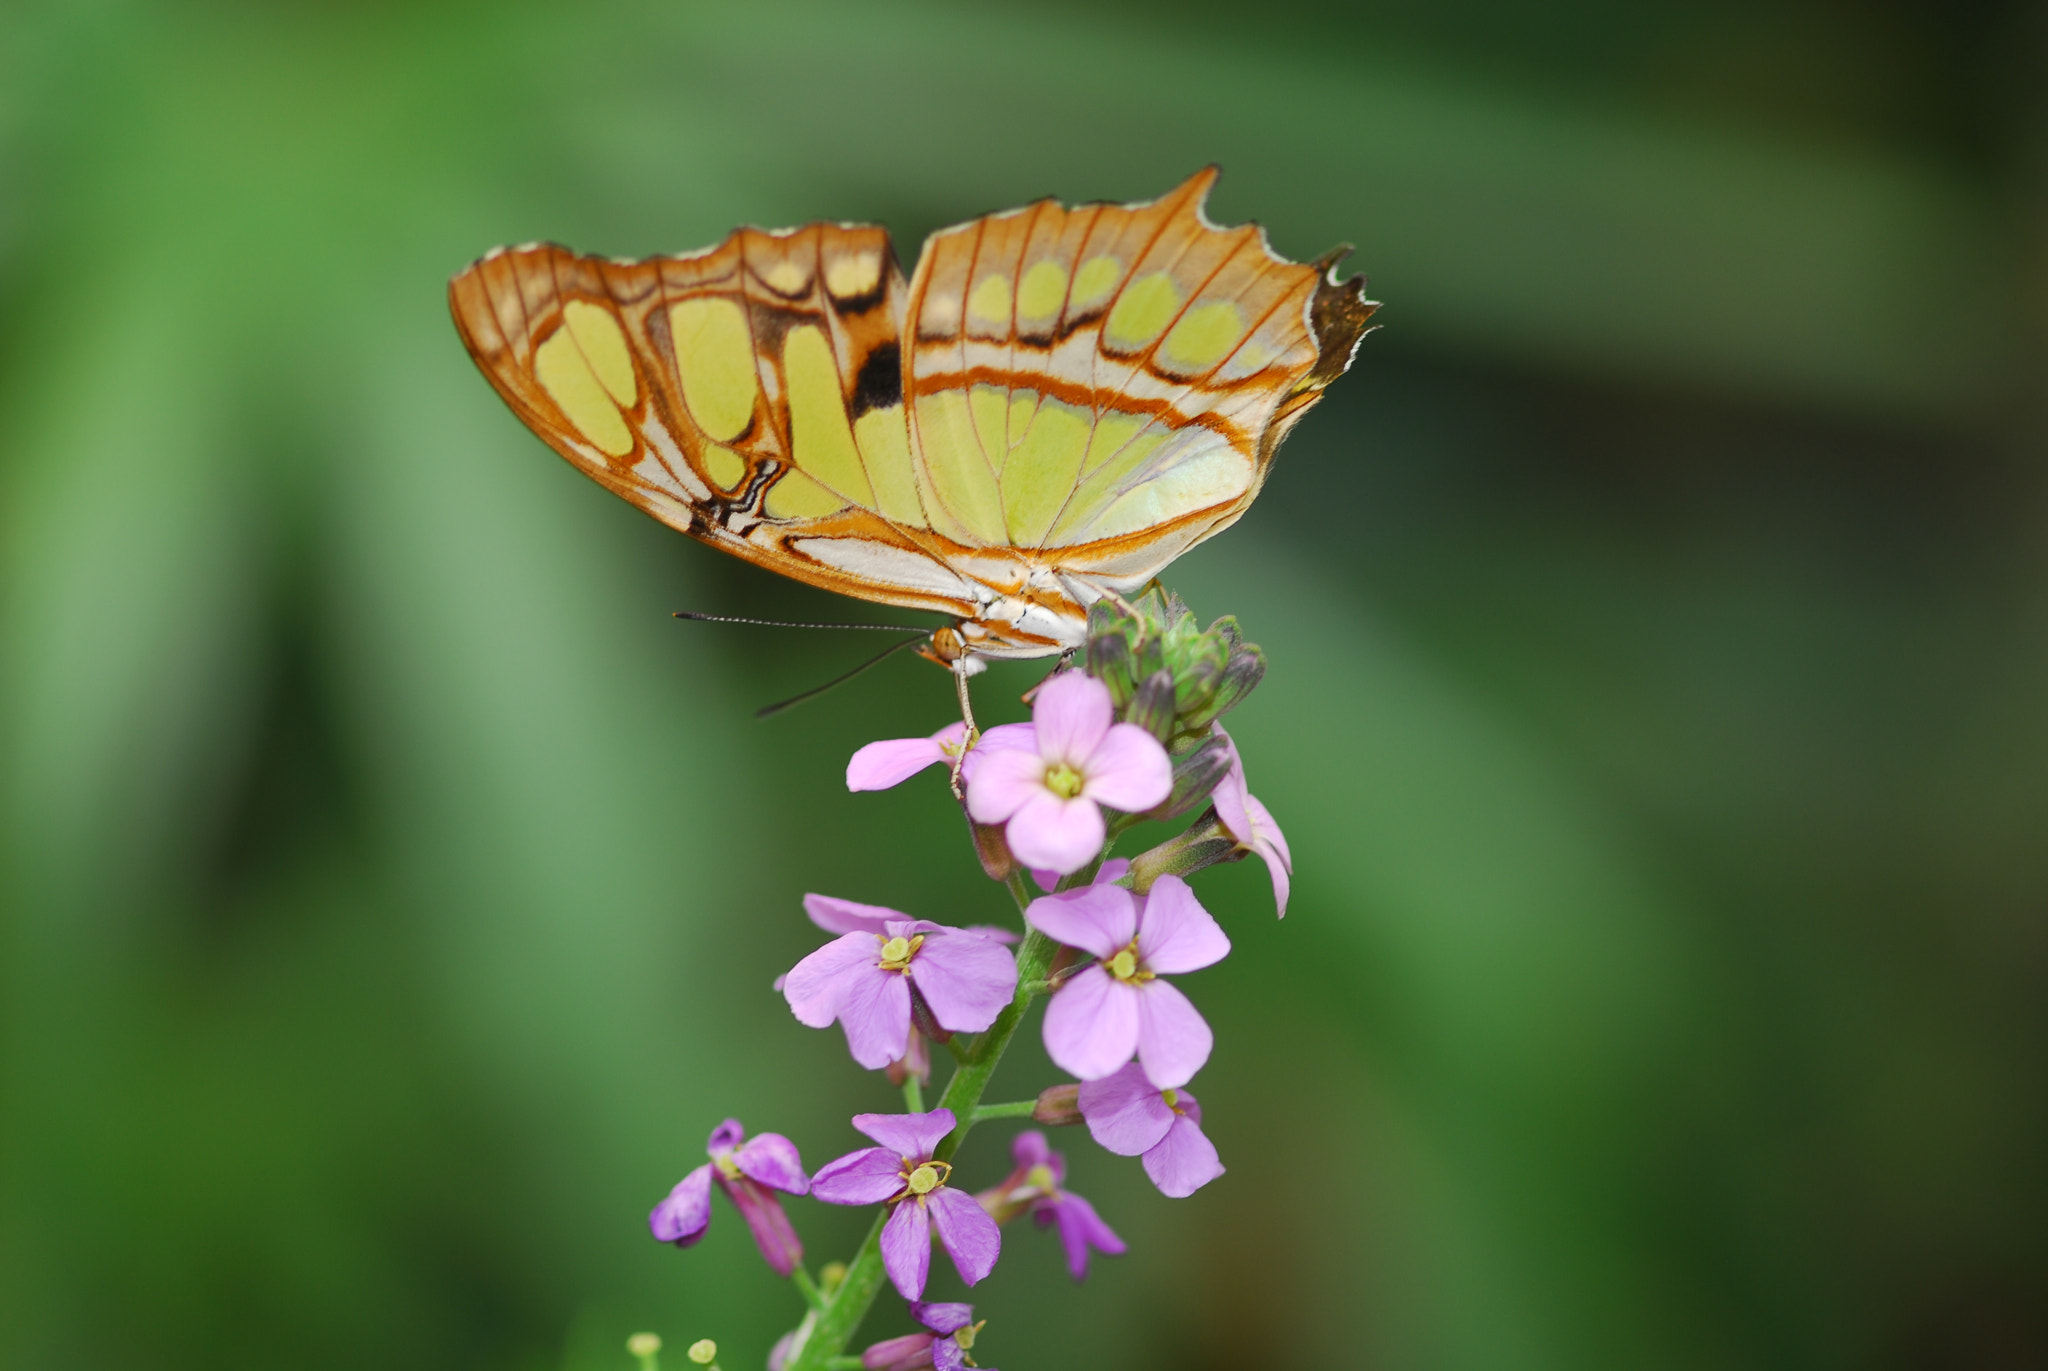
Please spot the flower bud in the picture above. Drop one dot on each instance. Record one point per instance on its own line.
(993, 850)
(1206, 843)
(1152, 707)
(1196, 774)
(1110, 661)
(1241, 675)
(644, 1346)
(703, 1352)
(1058, 1106)
(829, 1276)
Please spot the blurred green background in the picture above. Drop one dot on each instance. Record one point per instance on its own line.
(1658, 620)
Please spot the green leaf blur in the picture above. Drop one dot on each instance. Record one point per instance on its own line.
(1658, 637)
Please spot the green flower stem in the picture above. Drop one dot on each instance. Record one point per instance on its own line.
(913, 1095)
(843, 1314)
(1021, 1109)
(803, 1280)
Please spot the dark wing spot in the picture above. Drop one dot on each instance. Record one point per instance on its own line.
(880, 383)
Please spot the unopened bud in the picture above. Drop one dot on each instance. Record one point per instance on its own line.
(1196, 774)
(644, 1345)
(1241, 675)
(1206, 843)
(830, 1275)
(1110, 662)
(703, 1352)
(1059, 1106)
(1152, 707)
(993, 850)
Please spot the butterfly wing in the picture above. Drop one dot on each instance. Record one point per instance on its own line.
(1095, 390)
(1077, 397)
(748, 395)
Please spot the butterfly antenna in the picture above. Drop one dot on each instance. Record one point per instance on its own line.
(769, 711)
(781, 623)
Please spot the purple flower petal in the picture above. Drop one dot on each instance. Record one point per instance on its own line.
(1174, 1040)
(994, 934)
(907, 1248)
(912, 1135)
(878, 766)
(1183, 1161)
(1271, 845)
(948, 1355)
(1128, 770)
(1001, 738)
(1091, 1026)
(772, 1160)
(967, 980)
(1175, 933)
(943, 1318)
(971, 1237)
(1072, 713)
(848, 916)
(1099, 919)
(686, 1213)
(868, 1176)
(1251, 823)
(778, 1242)
(1124, 1112)
(816, 986)
(876, 1015)
(1029, 1149)
(1052, 832)
(907, 1353)
(1080, 1229)
(1002, 781)
(725, 1137)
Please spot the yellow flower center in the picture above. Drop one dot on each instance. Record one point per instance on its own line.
(925, 1179)
(965, 1336)
(897, 952)
(726, 1167)
(1040, 1178)
(1063, 781)
(1124, 966)
(1172, 1098)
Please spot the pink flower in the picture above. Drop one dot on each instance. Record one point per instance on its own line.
(1117, 1006)
(902, 1173)
(742, 1168)
(879, 766)
(1252, 825)
(1037, 1187)
(1132, 1117)
(953, 1331)
(1050, 795)
(865, 979)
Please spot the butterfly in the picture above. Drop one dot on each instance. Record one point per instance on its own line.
(1056, 405)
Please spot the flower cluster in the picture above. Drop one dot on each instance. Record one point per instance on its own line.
(1129, 732)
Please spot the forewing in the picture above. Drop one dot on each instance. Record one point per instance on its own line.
(748, 395)
(1092, 391)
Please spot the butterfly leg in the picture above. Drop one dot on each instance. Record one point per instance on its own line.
(966, 717)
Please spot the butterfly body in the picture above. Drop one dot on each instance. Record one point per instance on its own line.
(1055, 406)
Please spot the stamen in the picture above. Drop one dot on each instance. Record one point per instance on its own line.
(924, 1180)
(1124, 965)
(1063, 781)
(1172, 1098)
(897, 952)
(1040, 1178)
(726, 1166)
(965, 1336)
